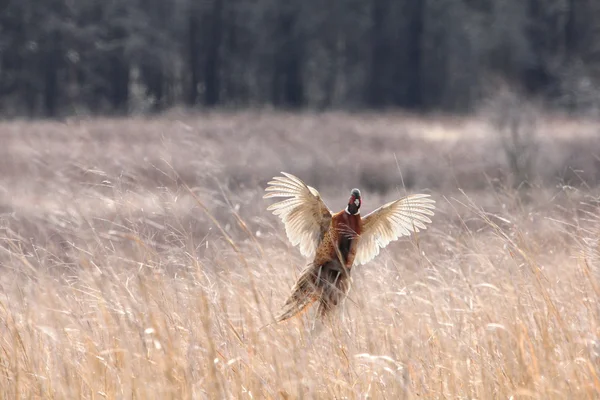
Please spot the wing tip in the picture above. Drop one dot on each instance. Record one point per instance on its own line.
(424, 197)
(289, 176)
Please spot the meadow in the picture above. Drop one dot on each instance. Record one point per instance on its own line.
(138, 260)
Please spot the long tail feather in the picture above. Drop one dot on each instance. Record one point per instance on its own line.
(328, 284)
(304, 293)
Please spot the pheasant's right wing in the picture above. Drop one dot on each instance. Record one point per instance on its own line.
(391, 221)
(304, 214)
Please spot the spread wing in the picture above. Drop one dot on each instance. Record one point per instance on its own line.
(391, 221)
(304, 214)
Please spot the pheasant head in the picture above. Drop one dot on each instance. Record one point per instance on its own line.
(354, 202)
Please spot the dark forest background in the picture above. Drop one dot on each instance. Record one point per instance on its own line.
(62, 57)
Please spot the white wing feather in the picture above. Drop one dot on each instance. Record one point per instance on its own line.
(304, 214)
(391, 221)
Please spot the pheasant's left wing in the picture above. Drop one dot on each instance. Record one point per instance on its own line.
(304, 214)
(391, 221)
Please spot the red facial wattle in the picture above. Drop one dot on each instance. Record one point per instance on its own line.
(353, 201)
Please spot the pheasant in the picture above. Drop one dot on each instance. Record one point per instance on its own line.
(337, 241)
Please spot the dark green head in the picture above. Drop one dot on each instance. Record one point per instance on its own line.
(354, 202)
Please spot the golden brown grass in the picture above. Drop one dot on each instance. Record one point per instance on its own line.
(138, 261)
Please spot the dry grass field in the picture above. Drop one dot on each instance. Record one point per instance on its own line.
(138, 261)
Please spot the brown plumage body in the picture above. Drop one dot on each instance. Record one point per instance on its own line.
(327, 278)
(337, 241)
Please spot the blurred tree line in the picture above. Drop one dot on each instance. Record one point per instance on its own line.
(119, 56)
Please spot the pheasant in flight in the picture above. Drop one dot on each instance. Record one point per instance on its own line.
(337, 241)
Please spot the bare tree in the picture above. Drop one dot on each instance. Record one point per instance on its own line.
(61, 56)
(514, 120)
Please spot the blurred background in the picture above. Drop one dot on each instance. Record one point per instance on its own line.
(137, 254)
(67, 57)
